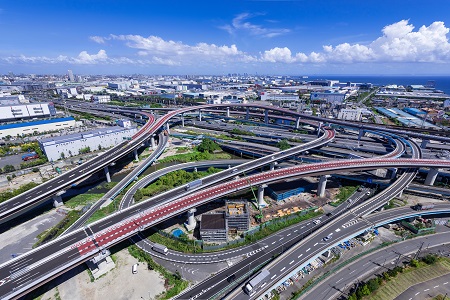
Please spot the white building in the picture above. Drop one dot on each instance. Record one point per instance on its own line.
(101, 98)
(350, 114)
(279, 97)
(69, 145)
(27, 111)
(40, 126)
(124, 123)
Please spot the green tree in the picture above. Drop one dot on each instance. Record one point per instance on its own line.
(373, 284)
(414, 263)
(138, 195)
(8, 168)
(283, 145)
(207, 145)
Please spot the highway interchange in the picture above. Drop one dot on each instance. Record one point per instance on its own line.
(29, 270)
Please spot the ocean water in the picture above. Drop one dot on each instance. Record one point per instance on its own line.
(441, 82)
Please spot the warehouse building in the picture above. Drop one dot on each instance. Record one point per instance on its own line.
(36, 127)
(69, 145)
(213, 228)
(237, 215)
(26, 111)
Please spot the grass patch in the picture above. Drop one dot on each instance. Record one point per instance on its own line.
(175, 284)
(194, 156)
(82, 199)
(344, 193)
(4, 196)
(58, 229)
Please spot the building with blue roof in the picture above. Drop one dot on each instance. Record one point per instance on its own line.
(39, 126)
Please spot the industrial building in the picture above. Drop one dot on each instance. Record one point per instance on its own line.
(69, 145)
(237, 215)
(283, 190)
(26, 111)
(328, 97)
(213, 228)
(279, 97)
(101, 98)
(405, 118)
(350, 114)
(41, 126)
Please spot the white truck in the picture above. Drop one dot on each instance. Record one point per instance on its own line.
(160, 248)
(193, 184)
(256, 282)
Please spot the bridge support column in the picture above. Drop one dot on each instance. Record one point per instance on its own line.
(108, 177)
(101, 263)
(228, 112)
(191, 222)
(182, 120)
(360, 135)
(199, 115)
(261, 202)
(400, 194)
(136, 156)
(431, 177)
(57, 201)
(152, 142)
(393, 172)
(424, 143)
(319, 128)
(247, 113)
(167, 128)
(272, 165)
(322, 185)
(266, 116)
(195, 169)
(297, 123)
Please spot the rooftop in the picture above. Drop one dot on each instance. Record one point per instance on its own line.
(34, 123)
(213, 221)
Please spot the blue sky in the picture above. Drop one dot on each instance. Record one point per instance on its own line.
(284, 37)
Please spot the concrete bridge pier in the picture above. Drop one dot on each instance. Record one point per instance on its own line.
(195, 169)
(108, 176)
(297, 123)
(182, 120)
(247, 113)
(272, 165)
(57, 201)
(319, 128)
(228, 112)
(322, 185)
(424, 143)
(431, 176)
(199, 115)
(360, 135)
(136, 156)
(152, 142)
(167, 128)
(191, 222)
(393, 172)
(261, 202)
(266, 116)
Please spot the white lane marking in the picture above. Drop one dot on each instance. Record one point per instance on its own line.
(273, 276)
(315, 244)
(300, 255)
(417, 293)
(282, 269)
(291, 262)
(445, 282)
(352, 271)
(308, 249)
(426, 290)
(435, 286)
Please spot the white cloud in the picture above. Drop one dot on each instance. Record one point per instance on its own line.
(97, 39)
(239, 23)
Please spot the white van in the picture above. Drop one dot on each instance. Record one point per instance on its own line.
(134, 269)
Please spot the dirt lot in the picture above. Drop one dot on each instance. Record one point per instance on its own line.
(117, 284)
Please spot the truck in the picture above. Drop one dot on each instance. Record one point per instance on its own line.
(193, 184)
(160, 248)
(31, 155)
(256, 282)
(424, 206)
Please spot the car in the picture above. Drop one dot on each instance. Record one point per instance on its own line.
(316, 222)
(327, 238)
(329, 214)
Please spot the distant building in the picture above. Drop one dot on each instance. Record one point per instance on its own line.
(350, 114)
(213, 228)
(279, 97)
(101, 98)
(68, 145)
(27, 111)
(71, 77)
(328, 97)
(41, 126)
(124, 123)
(120, 86)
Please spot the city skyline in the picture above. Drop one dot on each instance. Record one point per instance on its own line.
(265, 37)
